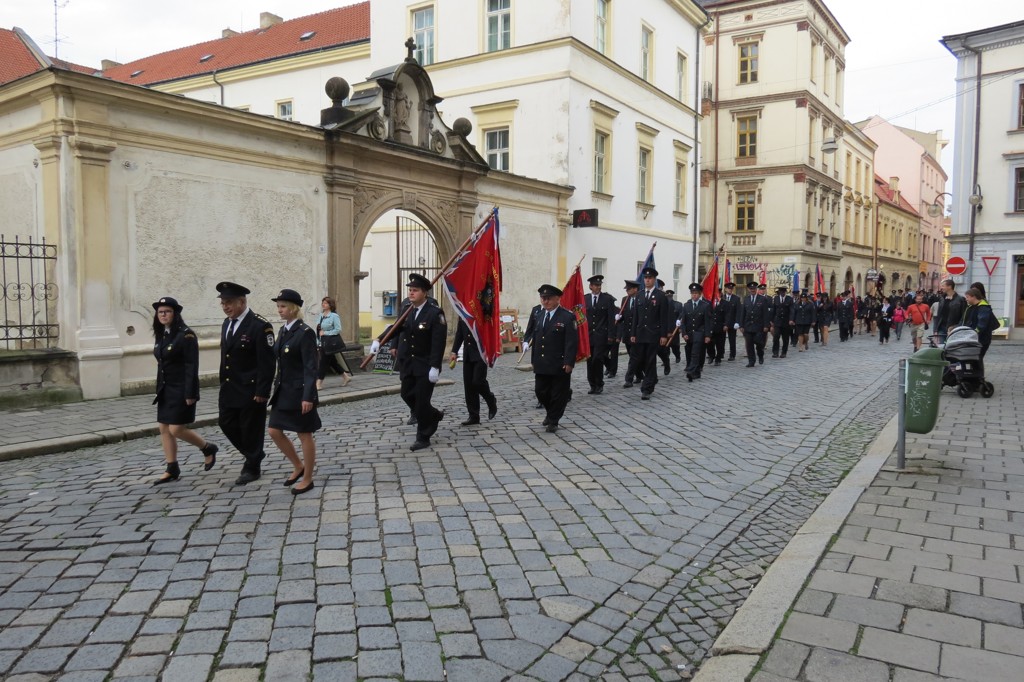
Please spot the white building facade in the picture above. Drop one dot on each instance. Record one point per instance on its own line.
(988, 164)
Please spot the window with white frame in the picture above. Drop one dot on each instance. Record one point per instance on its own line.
(1018, 190)
(680, 198)
(423, 34)
(284, 110)
(602, 147)
(677, 277)
(499, 25)
(598, 266)
(643, 187)
(601, 21)
(496, 143)
(680, 76)
(1020, 105)
(646, 53)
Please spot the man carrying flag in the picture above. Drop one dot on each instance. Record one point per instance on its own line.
(601, 309)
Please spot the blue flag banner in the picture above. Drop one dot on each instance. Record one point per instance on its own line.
(648, 263)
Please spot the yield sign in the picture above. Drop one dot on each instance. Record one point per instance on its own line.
(990, 263)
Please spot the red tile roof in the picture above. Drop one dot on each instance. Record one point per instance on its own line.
(886, 195)
(17, 60)
(332, 28)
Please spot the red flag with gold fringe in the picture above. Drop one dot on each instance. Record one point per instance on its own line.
(574, 300)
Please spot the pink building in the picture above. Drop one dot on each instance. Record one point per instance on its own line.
(915, 158)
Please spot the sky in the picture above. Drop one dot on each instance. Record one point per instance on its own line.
(895, 65)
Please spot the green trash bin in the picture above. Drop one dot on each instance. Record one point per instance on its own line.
(924, 382)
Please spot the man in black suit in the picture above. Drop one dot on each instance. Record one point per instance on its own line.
(782, 311)
(695, 327)
(844, 314)
(625, 324)
(474, 374)
(754, 321)
(675, 312)
(421, 341)
(651, 322)
(601, 310)
(731, 305)
(554, 341)
(535, 315)
(247, 367)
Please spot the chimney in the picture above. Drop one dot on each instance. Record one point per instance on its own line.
(894, 185)
(109, 64)
(267, 20)
(228, 33)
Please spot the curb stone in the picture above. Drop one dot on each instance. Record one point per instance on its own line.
(752, 630)
(49, 446)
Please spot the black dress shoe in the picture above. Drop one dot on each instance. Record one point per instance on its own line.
(545, 422)
(598, 391)
(552, 427)
(247, 476)
(667, 368)
(717, 363)
(782, 356)
(293, 479)
(412, 421)
(209, 450)
(689, 377)
(677, 361)
(645, 396)
(172, 473)
(628, 384)
(750, 364)
(732, 359)
(433, 429)
(760, 359)
(298, 491)
(491, 411)
(471, 421)
(591, 391)
(419, 445)
(775, 355)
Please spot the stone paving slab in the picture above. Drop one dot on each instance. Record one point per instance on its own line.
(924, 579)
(603, 551)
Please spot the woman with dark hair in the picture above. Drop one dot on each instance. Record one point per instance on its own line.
(328, 329)
(979, 316)
(177, 386)
(293, 403)
(981, 289)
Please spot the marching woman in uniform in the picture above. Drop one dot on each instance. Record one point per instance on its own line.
(293, 403)
(177, 386)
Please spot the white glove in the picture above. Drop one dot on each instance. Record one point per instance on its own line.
(434, 375)
(526, 346)
(736, 325)
(617, 317)
(374, 347)
(679, 323)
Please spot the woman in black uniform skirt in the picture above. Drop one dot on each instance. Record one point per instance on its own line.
(177, 386)
(293, 403)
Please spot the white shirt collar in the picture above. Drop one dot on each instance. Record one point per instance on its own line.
(291, 324)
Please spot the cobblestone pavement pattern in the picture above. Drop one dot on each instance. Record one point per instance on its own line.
(924, 580)
(617, 547)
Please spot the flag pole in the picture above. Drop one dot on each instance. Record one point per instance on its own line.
(401, 318)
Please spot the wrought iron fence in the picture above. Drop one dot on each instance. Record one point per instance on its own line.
(29, 294)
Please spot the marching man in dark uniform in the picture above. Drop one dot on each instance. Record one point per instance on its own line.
(535, 316)
(716, 331)
(675, 312)
(625, 322)
(731, 304)
(601, 310)
(782, 315)
(247, 365)
(695, 325)
(554, 343)
(754, 322)
(651, 322)
(474, 374)
(663, 351)
(421, 341)
(844, 313)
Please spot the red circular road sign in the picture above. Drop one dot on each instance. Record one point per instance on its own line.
(956, 266)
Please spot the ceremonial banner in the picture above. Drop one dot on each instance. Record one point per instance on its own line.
(573, 300)
(473, 283)
(710, 283)
(648, 263)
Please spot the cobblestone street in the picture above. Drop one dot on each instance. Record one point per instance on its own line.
(618, 547)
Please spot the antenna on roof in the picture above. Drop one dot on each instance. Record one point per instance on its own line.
(57, 6)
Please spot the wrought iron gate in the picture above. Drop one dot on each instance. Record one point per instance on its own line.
(29, 294)
(415, 252)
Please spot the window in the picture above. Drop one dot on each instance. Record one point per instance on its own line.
(601, 26)
(680, 202)
(839, 84)
(1018, 190)
(600, 162)
(499, 25)
(814, 61)
(284, 110)
(681, 77)
(745, 210)
(746, 136)
(646, 53)
(643, 164)
(1020, 105)
(496, 144)
(598, 266)
(677, 277)
(748, 62)
(423, 34)
(828, 74)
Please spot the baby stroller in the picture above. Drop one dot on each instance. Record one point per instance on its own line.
(966, 370)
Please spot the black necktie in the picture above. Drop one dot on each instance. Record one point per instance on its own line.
(547, 317)
(231, 328)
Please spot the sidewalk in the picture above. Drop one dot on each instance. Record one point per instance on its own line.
(923, 579)
(58, 428)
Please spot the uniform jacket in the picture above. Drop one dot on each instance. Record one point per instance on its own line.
(624, 327)
(601, 318)
(718, 317)
(532, 324)
(177, 367)
(421, 342)
(731, 305)
(247, 361)
(804, 313)
(844, 311)
(297, 360)
(696, 318)
(464, 340)
(652, 318)
(755, 314)
(555, 346)
(825, 312)
(782, 310)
